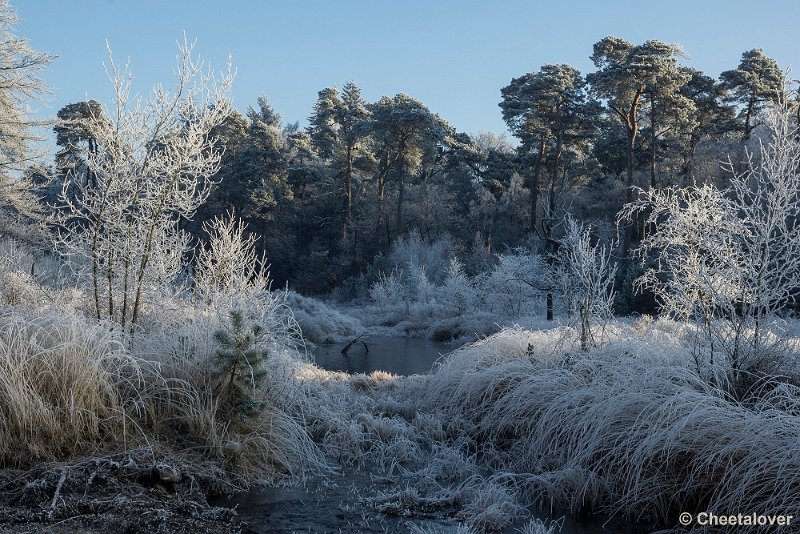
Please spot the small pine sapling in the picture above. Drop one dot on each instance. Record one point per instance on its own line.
(239, 368)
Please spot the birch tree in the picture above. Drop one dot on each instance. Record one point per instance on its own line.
(20, 83)
(152, 166)
(730, 259)
(587, 270)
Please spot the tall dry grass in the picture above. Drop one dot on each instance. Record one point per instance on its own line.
(72, 387)
(61, 387)
(628, 429)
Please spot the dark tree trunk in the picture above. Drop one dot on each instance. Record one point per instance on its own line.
(401, 168)
(534, 185)
(750, 108)
(348, 192)
(400, 198)
(653, 137)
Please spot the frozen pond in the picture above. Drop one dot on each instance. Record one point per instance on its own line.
(397, 355)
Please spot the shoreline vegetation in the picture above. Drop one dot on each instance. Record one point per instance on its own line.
(96, 423)
(148, 366)
(211, 390)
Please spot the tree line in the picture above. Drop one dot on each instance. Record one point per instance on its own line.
(327, 199)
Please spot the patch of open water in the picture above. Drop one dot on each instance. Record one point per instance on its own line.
(338, 503)
(398, 355)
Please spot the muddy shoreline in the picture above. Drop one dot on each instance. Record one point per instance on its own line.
(125, 494)
(120, 493)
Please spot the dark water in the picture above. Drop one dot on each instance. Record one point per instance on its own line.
(398, 355)
(337, 504)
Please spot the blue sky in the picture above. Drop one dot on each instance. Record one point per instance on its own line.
(452, 55)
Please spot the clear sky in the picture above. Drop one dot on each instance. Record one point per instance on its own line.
(453, 55)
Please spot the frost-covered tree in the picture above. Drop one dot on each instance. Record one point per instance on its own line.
(19, 84)
(229, 266)
(153, 162)
(458, 290)
(550, 110)
(517, 280)
(587, 270)
(730, 259)
(757, 80)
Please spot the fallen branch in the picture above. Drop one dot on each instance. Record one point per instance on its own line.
(347, 347)
(57, 493)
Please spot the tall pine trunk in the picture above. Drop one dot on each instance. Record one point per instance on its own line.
(534, 185)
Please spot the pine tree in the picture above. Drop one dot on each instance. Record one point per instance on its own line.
(627, 76)
(756, 81)
(239, 368)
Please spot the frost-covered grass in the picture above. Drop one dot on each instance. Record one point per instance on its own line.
(628, 428)
(61, 387)
(72, 386)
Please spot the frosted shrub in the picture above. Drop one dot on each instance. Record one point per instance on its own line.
(230, 276)
(41, 266)
(388, 291)
(413, 251)
(587, 272)
(321, 323)
(422, 292)
(516, 283)
(490, 506)
(229, 266)
(458, 291)
(538, 526)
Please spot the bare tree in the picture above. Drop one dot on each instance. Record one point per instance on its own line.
(19, 85)
(729, 259)
(587, 270)
(230, 265)
(152, 164)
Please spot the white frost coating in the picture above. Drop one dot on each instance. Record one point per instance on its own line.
(729, 259)
(152, 168)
